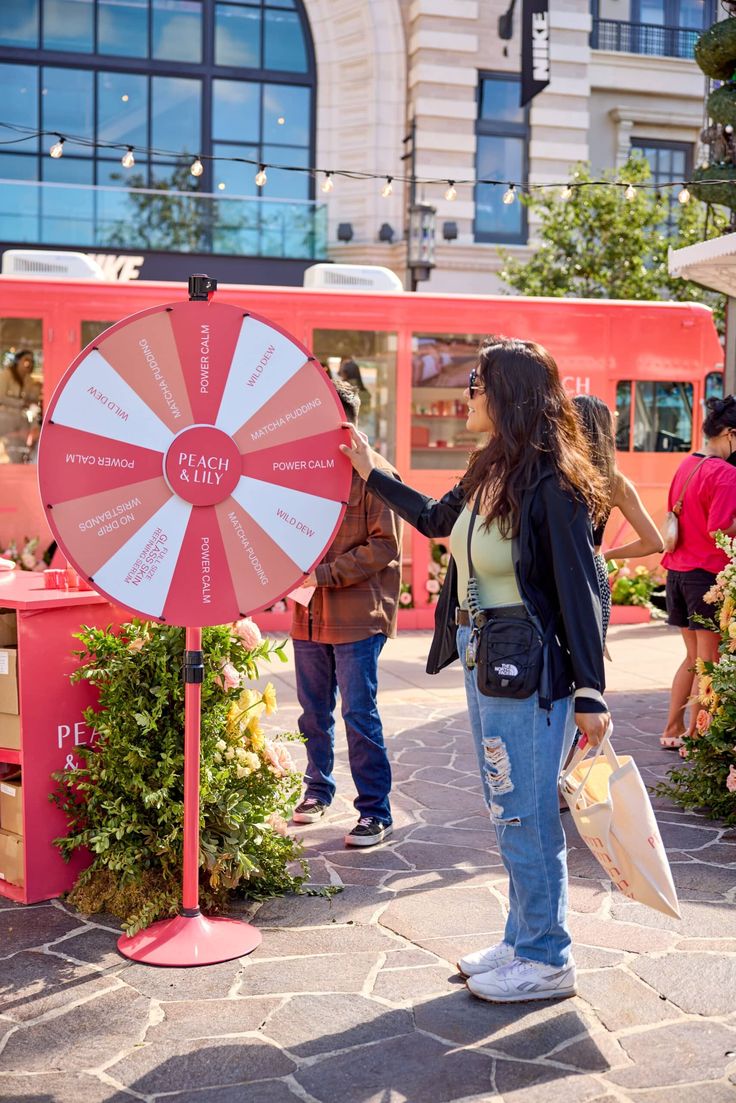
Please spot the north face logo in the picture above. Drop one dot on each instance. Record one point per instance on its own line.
(506, 670)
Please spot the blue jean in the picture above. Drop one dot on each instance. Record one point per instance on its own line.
(521, 749)
(322, 669)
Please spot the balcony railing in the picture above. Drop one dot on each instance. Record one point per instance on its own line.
(39, 213)
(643, 38)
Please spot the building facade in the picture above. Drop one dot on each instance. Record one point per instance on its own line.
(357, 86)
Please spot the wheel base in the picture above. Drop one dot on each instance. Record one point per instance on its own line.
(190, 940)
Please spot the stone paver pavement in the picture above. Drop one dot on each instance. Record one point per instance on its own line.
(356, 999)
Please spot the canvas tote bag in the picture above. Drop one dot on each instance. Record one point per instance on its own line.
(613, 814)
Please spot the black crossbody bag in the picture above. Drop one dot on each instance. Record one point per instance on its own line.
(505, 648)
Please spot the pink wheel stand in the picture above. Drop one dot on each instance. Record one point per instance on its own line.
(191, 938)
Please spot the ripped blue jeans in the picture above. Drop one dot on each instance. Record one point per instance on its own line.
(520, 756)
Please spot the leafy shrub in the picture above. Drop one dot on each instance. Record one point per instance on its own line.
(632, 587)
(708, 779)
(125, 801)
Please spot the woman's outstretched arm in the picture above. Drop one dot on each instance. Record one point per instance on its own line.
(649, 541)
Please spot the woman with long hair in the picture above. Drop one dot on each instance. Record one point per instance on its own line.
(621, 494)
(532, 488)
(706, 483)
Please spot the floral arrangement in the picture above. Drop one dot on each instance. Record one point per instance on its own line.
(632, 587)
(26, 556)
(437, 569)
(406, 597)
(708, 779)
(124, 801)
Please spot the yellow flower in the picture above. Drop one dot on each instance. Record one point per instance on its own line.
(254, 727)
(726, 612)
(269, 699)
(699, 666)
(705, 685)
(732, 629)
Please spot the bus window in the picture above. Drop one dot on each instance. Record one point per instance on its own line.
(714, 385)
(663, 417)
(21, 388)
(440, 366)
(92, 330)
(367, 360)
(623, 416)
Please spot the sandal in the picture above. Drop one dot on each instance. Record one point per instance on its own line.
(670, 742)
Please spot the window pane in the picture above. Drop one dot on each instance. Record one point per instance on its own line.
(234, 179)
(175, 114)
(237, 36)
(236, 110)
(67, 211)
(19, 23)
(623, 416)
(18, 206)
(19, 97)
(66, 101)
(663, 417)
(282, 184)
(177, 30)
(22, 378)
(692, 14)
(122, 108)
(122, 27)
(286, 114)
(714, 385)
(499, 101)
(13, 166)
(440, 366)
(284, 46)
(90, 331)
(68, 25)
(498, 158)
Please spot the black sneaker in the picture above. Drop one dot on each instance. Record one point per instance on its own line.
(309, 811)
(368, 831)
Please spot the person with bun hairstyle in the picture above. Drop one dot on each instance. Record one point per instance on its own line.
(706, 481)
(531, 488)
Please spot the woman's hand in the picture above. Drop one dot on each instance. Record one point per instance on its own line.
(594, 725)
(359, 451)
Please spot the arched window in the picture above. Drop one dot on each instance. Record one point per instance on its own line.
(222, 78)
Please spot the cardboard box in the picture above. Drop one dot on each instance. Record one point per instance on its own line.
(11, 804)
(11, 857)
(9, 732)
(8, 628)
(9, 680)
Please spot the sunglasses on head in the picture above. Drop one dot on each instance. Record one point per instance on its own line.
(475, 386)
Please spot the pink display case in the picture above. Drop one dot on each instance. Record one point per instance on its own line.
(52, 725)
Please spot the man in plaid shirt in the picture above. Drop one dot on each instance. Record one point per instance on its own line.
(337, 640)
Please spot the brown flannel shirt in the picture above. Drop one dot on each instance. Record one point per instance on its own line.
(359, 579)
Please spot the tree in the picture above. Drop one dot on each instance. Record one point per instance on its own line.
(598, 244)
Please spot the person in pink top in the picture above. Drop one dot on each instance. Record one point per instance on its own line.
(709, 504)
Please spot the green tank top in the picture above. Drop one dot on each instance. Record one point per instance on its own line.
(492, 561)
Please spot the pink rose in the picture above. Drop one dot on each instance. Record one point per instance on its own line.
(702, 722)
(229, 678)
(624, 572)
(278, 757)
(137, 644)
(248, 632)
(277, 823)
(731, 779)
(405, 598)
(432, 586)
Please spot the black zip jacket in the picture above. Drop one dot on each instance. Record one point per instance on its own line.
(555, 573)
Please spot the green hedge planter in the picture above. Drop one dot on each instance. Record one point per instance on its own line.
(722, 105)
(715, 50)
(723, 192)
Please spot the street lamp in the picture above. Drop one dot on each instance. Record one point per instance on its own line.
(420, 253)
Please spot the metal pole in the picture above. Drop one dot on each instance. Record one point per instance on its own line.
(411, 157)
(193, 673)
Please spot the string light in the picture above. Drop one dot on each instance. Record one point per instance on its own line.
(509, 195)
(387, 188)
(57, 149)
(683, 196)
(261, 177)
(451, 192)
(566, 192)
(128, 160)
(630, 193)
(328, 183)
(196, 168)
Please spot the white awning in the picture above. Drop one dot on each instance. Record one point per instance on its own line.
(710, 263)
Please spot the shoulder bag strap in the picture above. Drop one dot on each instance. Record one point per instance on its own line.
(677, 507)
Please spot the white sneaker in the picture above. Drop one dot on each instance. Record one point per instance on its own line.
(524, 980)
(483, 961)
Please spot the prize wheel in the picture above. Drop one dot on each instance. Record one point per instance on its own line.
(189, 463)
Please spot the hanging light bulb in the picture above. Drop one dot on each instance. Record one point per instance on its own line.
(128, 160)
(509, 195)
(387, 188)
(57, 149)
(261, 177)
(328, 183)
(630, 193)
(683, 196)
(451, 192)
(566, 192)
(196, 168)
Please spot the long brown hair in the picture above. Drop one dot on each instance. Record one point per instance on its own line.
(597, 423)
(534, 428)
